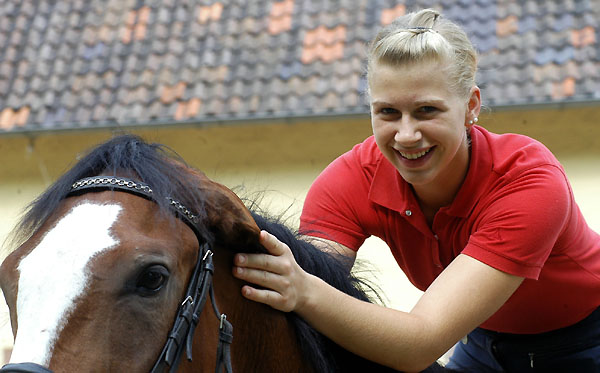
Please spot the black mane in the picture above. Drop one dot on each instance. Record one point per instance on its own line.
(127, 156)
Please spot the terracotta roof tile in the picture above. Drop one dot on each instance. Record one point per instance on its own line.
(6, 118)
(180, 111)
(583, 37)
(10, 118)
(193, 107)
(280, 24)
(388, 15)
(507, 26)
(144, 14)
(563, 88)
(210, 13)
(188, 109)
(323, 43)
(280, 17)
(139, 31)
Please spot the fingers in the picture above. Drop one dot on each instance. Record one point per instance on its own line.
(272, 244)
(262, 278)
(275, 262)
(276, 290)
(274, 272)
(262, 262)
(268, 297)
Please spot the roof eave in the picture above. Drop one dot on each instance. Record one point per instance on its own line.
(282, 117)
(210, 121)
(546, 105)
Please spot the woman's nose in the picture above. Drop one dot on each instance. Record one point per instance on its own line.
(407, 132)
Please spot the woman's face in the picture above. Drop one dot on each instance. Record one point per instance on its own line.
(419, 123)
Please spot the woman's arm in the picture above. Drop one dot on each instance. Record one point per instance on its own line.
(461, 298)
(331, 246)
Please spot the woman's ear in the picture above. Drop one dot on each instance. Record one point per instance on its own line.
(473, 106)
(474, 103)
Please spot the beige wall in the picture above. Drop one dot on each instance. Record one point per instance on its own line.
(284, 158)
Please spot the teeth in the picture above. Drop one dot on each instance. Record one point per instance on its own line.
(414, 155)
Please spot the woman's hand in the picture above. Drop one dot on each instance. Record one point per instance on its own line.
(283, 280)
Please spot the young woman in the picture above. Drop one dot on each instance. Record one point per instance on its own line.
(485, 223)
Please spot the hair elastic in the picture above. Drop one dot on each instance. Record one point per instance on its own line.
(420, 29)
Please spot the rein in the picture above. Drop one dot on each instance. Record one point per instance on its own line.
(199, 288)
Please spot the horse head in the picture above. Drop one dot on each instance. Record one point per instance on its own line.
(102, 272)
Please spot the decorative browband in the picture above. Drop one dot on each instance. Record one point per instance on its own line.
(131, 186)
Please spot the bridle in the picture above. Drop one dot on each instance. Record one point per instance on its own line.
(199, 287)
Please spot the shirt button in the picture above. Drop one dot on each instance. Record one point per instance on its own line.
(408, 212)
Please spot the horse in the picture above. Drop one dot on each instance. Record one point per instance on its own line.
(119, 262)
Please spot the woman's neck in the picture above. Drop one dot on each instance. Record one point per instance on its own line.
(435, 195)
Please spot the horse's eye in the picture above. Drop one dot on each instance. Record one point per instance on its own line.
(152, 279)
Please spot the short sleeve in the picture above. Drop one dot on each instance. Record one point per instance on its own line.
(524, 216)
(336, 203)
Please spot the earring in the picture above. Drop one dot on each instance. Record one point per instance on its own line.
(474, 120)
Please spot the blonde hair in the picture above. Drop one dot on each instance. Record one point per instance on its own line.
(422, 36)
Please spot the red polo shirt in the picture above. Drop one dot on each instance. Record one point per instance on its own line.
(515, 212)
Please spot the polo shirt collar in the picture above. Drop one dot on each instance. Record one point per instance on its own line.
(389, 190)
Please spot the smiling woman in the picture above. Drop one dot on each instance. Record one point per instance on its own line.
(485, 224)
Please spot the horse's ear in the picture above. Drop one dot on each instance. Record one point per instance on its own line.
(228, 218)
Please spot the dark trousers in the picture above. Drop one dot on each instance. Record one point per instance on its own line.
(575, 348)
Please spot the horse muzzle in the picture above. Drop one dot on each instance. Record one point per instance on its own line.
(24, 367)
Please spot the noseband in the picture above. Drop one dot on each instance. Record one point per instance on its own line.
(199, 288)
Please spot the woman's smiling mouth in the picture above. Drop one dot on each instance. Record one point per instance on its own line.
(413, 156)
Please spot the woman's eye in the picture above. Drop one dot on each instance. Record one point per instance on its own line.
(152, 279)
(427, 109)
(388, 111)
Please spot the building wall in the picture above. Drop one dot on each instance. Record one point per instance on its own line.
(280, 160)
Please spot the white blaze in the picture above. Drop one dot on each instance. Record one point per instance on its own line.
(53, 275)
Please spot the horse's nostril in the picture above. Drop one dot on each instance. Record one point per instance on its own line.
(24, 367)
